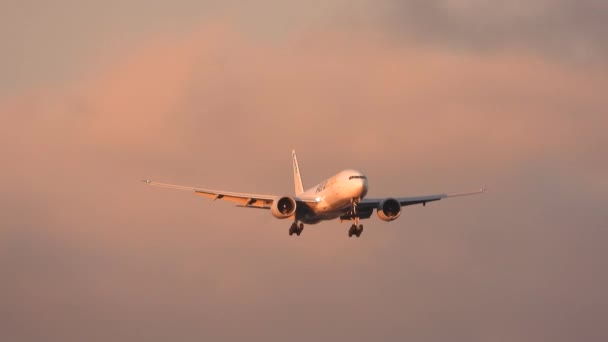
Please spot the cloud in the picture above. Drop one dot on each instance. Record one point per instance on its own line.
(564, 29)
(88, 246)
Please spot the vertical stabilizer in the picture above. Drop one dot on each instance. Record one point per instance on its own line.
(297, 179)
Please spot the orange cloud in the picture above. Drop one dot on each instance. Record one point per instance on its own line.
(222, 108)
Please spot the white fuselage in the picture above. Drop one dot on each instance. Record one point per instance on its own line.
(334, 196)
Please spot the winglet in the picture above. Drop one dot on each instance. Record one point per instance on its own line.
(480, 191)
(297, 179)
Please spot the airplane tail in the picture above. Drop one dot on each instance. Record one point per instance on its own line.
(297, 179)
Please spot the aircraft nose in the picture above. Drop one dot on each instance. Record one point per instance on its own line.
(364, 188)
(361, 188)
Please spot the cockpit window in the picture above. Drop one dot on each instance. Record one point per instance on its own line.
(357, 177)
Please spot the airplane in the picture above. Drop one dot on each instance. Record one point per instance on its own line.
(340, 196)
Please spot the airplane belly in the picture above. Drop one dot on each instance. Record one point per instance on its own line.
(327, 211)
(314, 218)
(334, 202)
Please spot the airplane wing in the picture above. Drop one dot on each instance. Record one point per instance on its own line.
(368, 204)
(241, 199)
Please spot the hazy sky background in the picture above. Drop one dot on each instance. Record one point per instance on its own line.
(422, 96)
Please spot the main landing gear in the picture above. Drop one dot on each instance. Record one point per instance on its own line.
(356, 229)
(296, 228)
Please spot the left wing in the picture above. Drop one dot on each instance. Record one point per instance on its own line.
(241, 199)
(368, 204)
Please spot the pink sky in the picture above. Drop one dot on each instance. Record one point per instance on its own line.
(218, 99)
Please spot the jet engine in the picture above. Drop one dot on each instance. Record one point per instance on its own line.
(283, 207)
(389, 209)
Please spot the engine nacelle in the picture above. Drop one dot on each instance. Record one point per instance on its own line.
(284, 207)
(389, 209)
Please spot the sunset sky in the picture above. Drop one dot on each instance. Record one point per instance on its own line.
(423, 96)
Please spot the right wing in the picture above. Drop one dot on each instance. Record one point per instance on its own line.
(404, 201)
(241, 199)
(368, 204)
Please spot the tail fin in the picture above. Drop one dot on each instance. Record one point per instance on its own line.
(297, 179)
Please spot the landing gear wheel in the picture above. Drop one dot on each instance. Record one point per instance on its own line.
(352, 231)
(359, 230)
(293, 229)
(296, 229)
